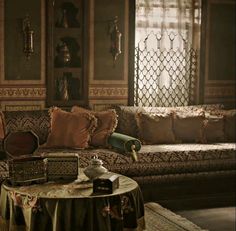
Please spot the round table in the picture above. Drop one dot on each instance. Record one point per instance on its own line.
(73, 206)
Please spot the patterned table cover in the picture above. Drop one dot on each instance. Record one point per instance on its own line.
(71, 206)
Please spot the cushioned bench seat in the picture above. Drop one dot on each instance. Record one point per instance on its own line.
(159, 160)
(164, 171)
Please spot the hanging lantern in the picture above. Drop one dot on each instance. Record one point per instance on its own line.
(28, 37)
(115, 38)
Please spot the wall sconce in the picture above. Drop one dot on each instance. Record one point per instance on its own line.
(28, 37)
(115, 38)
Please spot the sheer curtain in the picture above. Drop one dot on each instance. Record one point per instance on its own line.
(167, 39)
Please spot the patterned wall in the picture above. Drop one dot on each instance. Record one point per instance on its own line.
(20, 93)
(219, 77)
(110, 87)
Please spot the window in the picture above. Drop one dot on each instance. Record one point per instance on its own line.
(167, 39)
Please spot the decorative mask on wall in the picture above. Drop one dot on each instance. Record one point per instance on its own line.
(28, 37)
(115, 38)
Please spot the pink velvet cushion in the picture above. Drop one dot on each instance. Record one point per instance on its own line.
(155, 128)
(106, 124)
(189, 126)
(70, 130)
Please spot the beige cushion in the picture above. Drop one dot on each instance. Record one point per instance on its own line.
(69, 129)
(106, 124)
(229, 123)
(214, 128)
(155, 128)
(189, 127)
(127, 123)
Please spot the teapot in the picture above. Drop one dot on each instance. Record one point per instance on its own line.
(95, 168)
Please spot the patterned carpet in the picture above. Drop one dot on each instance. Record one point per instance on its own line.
(160, 219)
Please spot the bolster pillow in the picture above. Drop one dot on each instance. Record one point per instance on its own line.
(124, 143)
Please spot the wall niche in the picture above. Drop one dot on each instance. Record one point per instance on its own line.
(66, 48)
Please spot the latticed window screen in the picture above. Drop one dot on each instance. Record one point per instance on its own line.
(167, 42)
(164, 75)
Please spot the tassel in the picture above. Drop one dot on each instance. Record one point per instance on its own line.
(133, 153)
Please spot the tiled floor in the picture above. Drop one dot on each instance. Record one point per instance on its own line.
(213, 219)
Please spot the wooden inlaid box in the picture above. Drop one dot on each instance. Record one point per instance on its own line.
(64, 167)
(27, 170)
(23, 167)
(106, 183)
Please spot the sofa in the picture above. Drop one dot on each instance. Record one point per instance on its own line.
(175, 173)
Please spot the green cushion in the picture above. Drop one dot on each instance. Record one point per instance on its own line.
(124, 143)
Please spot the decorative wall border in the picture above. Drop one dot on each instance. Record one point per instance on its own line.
(21, 105)
(220, 91)
(43, 52)
(23, 92)
(100, 92)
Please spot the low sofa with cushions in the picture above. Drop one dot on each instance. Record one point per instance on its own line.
(174, 173)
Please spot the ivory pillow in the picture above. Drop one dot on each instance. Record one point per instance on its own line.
(189, 126)
(106, 125)
(69, 129)
(155, 128)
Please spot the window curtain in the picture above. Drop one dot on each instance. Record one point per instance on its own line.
(167, 31)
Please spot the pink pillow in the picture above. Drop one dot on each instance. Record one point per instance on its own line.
(69, 129)
(106, 124)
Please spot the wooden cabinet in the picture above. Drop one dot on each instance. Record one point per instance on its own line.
(66, 49)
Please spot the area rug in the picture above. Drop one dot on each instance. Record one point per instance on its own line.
(158, 218)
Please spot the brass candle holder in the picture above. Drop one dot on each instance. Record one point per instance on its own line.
(28, 37)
